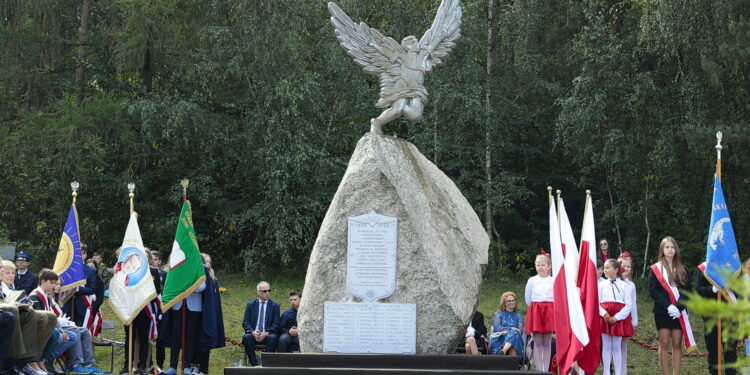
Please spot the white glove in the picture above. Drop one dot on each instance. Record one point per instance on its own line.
(713, 289)
(673, 312)
(470, 332)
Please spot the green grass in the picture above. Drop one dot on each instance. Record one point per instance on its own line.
(241, 288)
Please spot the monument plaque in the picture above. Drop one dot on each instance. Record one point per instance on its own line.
(385, 328)
(371, 256)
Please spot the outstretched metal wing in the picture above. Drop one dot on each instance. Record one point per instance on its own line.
(375, 53)
(441, 37)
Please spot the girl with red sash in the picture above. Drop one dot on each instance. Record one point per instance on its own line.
(540, 319)
(615, 304)
(626, 266)
(667, 278)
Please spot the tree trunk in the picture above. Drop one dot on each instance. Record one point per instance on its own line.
(82, 33)
(147, 72)
(612, 205)
(488, 123)
(648, 231)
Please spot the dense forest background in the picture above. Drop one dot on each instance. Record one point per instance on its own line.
(256, 103)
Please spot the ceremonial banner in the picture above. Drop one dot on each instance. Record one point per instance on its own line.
(69, 262)
(588, 284)
(722, 259)
(131, 286)
(186, 271)
(579, 336)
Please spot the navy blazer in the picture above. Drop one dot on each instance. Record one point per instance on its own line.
(28, 281)
(288, 320)
(84, 290)
(251, 316)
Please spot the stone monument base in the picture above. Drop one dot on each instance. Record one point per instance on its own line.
(378, 364)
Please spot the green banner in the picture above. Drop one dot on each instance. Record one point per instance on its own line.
(185, 264)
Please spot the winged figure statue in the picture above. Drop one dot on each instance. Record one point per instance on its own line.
(400, 67)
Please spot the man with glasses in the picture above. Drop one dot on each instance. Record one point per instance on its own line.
(261, 323)
(25, 279)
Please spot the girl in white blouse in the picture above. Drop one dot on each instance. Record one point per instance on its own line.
(615, 304)
(626, 266)
(540, 318)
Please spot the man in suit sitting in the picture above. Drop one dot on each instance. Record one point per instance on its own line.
(261, 323)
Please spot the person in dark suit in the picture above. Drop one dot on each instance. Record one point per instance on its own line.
(25, 279)
(88, 289)
(7, 326)
(707, 290)
(261, 323)
(289, 339)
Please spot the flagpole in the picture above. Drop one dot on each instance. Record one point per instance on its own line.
(74, 186)
(718, 155)
(131, 195)
(184, 182)
(718, 295)
(549, 195)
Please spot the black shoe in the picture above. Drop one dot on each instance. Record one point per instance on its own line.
(124, 370)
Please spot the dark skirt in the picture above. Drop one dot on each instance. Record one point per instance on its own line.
(663, 320)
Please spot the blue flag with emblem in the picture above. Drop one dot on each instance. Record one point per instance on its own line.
(69, 261)
(722, 259)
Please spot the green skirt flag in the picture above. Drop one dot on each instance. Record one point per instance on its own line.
(185, 264)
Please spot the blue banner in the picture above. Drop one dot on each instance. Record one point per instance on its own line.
(722, 259)
(69, 262)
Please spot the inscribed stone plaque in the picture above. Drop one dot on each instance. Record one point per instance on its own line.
(355, 327)
(371, 256)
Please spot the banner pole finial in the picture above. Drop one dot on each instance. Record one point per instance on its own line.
(718, 154)
(74, 186)
(131, 195)
(184, 182)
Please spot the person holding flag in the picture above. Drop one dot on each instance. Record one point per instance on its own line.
(667, 283)
(186, 280)
(721, 266)
(69, 261)
(570, 323)
(132, 286)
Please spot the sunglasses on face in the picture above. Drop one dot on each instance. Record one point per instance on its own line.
(510, 301)
(265, 291)
(603, 244)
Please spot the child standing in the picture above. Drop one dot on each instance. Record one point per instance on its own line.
(626, 266)
(615, 304)
(540, 319)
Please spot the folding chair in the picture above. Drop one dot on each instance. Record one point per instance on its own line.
(100, 341)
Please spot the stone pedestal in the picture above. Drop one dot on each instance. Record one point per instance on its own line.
(442, 245)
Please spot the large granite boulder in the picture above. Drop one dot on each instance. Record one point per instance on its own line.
(442, 245)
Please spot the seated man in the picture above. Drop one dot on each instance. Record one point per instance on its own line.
(32, 331)
(7, 327)
(77, 340)
(289, 339)
(261, 323)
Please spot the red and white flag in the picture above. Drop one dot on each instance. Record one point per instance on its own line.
(562, 324)
(578, 334)
(588, 284)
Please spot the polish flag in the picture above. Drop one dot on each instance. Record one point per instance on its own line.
(562, 324)
(588, 284)
(578, 335)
